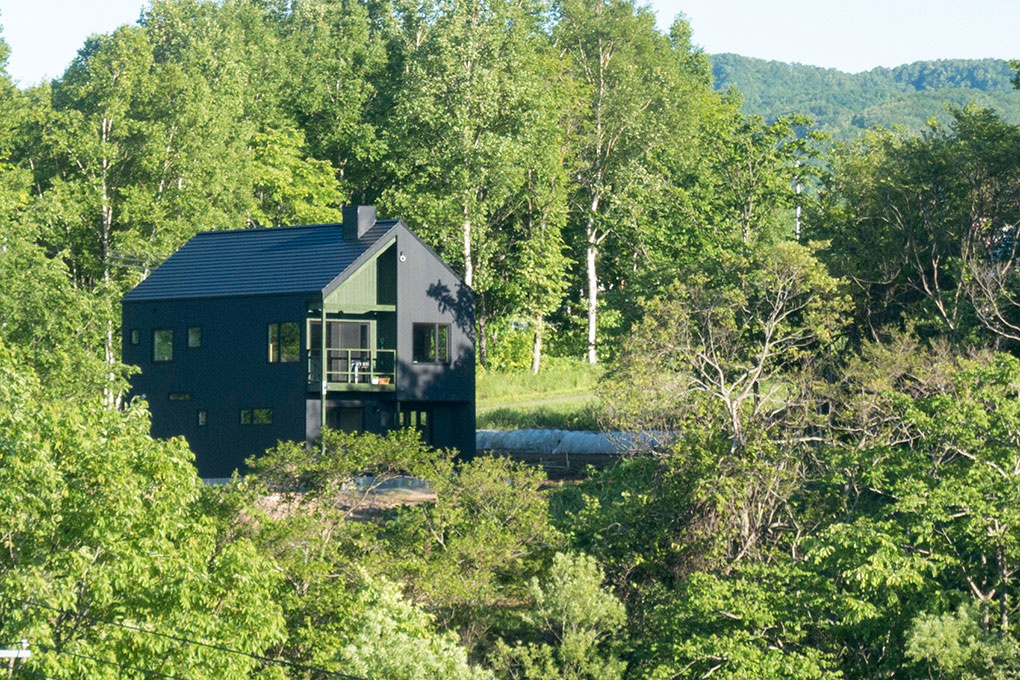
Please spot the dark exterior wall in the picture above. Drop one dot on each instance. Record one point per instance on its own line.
(428, 292)
(379, 411)
(229, 372)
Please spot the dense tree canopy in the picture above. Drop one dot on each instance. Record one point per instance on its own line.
(830, 375)
(846, 104)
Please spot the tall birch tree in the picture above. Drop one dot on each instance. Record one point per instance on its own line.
(635, 86)
(468, 103)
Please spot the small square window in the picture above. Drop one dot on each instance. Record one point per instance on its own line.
(194, 337)
(162, 345)
(430, 343)
(203, 417)
(136, 337)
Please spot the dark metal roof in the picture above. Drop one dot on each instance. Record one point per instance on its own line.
(257, 262)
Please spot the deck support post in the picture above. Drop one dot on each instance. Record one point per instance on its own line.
(322, 373)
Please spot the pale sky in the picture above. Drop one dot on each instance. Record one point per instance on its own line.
(851, 35)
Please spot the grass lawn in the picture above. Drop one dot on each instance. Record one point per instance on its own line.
(561, 396)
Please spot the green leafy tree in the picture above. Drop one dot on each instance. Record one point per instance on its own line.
(311, 530)
(580, 618)
(470, 553)
(638, 86)
(395, 639)
(922, 226)
(955, 645)
(732, 345)
(106, 526)
(473, 122)
(338, 55)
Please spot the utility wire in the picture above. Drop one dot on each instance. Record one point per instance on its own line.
(178, 638)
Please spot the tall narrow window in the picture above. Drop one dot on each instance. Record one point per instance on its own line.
(135, 336)
(162, 345)
(284, 342)
(290, 342)
(430, 343)
(194, 337)
(443, 343)
(203, 417)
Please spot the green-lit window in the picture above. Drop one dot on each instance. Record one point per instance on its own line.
(443, 343)
(256, 416)
(430, 343)
(136, 337)
(203, 417)
(194, 337)
(162, 345)
(284, 342)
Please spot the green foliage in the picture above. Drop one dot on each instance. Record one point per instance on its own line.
(734, 346)
(513, 351)
(922, 226)
(305, 501)
(472, 551)
(463, 557)
(845, 105)
(756, 625)
(837, 499)
(955, 645)
(104, 524)
(573, 609)
(394, 639)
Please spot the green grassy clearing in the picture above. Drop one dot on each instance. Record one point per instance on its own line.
(560, 396)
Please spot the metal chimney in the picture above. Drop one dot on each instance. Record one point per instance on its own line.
(357, 220)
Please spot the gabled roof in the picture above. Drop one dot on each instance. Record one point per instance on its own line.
(268, 261)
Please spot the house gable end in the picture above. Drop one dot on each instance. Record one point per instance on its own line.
(370, 253)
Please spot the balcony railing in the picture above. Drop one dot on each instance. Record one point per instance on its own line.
(357, 369)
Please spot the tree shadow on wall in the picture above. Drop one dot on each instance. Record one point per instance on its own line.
(461, 304)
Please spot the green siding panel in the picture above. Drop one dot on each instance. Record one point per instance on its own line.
(370, 286)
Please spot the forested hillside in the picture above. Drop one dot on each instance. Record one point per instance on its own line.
(837, 396)
(845, 104)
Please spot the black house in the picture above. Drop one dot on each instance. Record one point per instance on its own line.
(252, 336)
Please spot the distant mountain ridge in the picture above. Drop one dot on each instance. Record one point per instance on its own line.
(846, 104)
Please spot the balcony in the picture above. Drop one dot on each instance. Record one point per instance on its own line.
(353, 369)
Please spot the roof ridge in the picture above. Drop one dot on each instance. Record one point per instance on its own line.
(249, 230)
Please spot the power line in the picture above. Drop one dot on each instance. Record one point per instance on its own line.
(178, 638)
